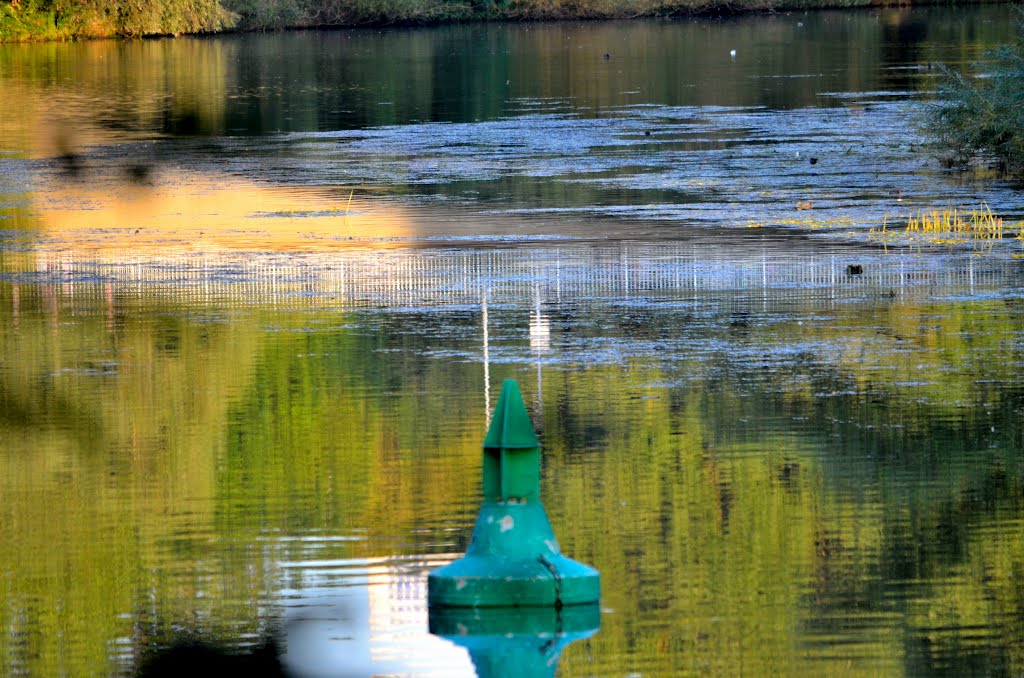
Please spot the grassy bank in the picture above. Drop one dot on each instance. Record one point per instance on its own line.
(31, 20)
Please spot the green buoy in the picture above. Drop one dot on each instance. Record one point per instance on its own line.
(514, 558)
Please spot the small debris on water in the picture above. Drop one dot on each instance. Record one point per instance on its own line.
(139, 173)
(71, 163)
(854, 269)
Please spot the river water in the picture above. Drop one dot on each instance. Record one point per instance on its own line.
(259, 293)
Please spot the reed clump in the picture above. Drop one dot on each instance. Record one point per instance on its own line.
(950, 227)
(979, 224)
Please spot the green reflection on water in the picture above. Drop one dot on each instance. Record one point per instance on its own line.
(822, 513)
(252, 84)
(831, 546)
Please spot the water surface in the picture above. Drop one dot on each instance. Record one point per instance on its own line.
(259, 293)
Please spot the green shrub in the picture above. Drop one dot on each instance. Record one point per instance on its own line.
(981, 118)
(26, 21)
(69, 19)
(155, 17)
(261, 15)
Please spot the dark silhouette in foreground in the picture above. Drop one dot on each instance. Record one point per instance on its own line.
(191, 658)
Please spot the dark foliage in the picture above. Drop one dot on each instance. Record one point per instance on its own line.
(980, 118)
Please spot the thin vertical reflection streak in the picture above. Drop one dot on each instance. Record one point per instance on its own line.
(539, 339)
(15, 306)
(487, 359)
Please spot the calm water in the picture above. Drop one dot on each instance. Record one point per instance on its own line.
(258, 294)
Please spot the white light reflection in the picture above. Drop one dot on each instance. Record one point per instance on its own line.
(540, 342)
(540, 328)
(362, 617)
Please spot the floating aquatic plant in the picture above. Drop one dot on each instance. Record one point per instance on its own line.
(809, 224)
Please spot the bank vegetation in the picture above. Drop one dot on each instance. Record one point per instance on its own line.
(34, 20)
(979, 116)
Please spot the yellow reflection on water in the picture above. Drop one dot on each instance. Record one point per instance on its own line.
(84, 202)
(193, 211)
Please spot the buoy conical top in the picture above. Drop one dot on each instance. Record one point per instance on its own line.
(511, 450)
(511, 427)
(513, 558)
